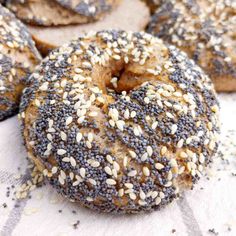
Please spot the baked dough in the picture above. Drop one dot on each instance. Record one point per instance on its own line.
(18, 57)
(120, 122)
(153, 4)
(122, 17)
(206, 31)
(60, 12)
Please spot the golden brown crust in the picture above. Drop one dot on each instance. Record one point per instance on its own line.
(206, 31)
(57, 12)
(119, 121)
(18, 58)
(153, 4)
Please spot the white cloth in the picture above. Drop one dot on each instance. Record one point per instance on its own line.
(211, 204)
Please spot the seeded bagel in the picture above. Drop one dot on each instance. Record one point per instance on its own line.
(48, 38)
(120, 122)
(18, 57)
(206, 31)
(60, 12)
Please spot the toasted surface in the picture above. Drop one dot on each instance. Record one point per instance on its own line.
(120, 18)
(206, 31)
(18, 57)
(153, 4)
(119, 121)
(60, 12)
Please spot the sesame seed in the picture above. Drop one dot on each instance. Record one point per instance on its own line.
(159, 166)
(154, 125)
(180, 143)
(61, 181)
(132, 173)
(116, 166)
(212, 145)
(116, 57)
(126, 114)
(201, 158)
(108, 170)
(162, 195)
(88, 144)
(82, 172)
(90, 137)
(142, 195)
(149, 150)
(69, 120)
(66, 159)
(54, 170)
(133, 114)
(168, 114)
(154, 194)
(121, 192)
(44, 86)
(132, 154)
(142, 203)
(146, 171)
(132, 196)
(144, 156)
(63, 174)
(92, 181)
(120, 124)
(173, 162)
(86, 64)
(111, 182)
(183, 154)
(129, 185)
(158, 201)
(174, 128)
(136, 131)
(79, 136)
(72, 161)
(125, 161)
(63, 136)
(61, 152)
(112, 123)
(109, 159)
(163, 150)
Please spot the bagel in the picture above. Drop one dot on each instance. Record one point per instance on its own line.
(119, 122)
(18, 57)
(48, 38)
(60, 12)
(206, 31)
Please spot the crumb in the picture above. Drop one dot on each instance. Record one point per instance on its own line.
(75, 225)
(213, 231)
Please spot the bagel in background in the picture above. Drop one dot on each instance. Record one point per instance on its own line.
(206, 31)
(18, 58)
(129, 15)
(60, 12)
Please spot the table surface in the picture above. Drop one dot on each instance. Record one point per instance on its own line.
(209, 206)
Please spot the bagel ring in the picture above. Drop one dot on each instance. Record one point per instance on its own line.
(120, 122)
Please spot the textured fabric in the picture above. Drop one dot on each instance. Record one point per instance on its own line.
(209, 206)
